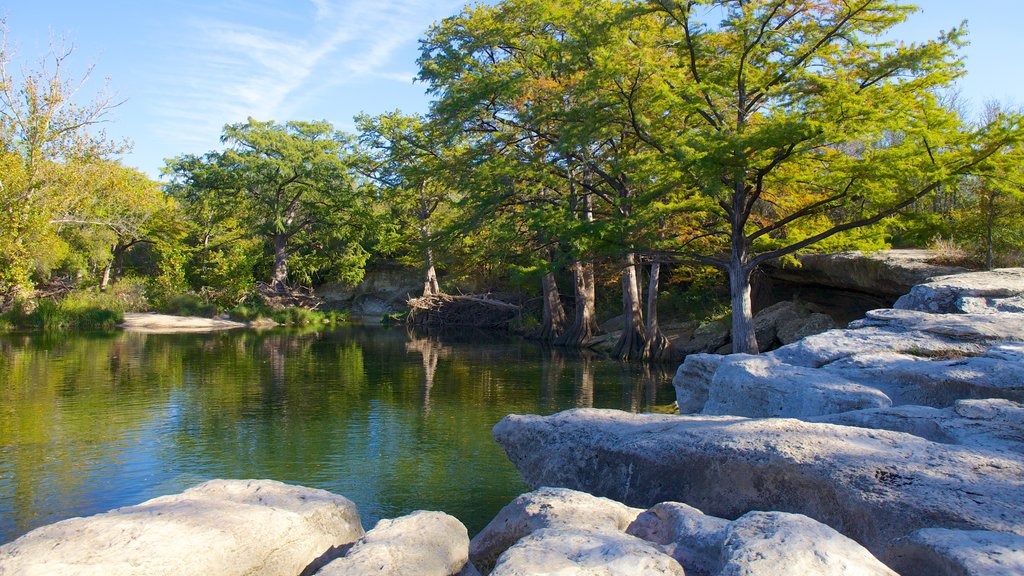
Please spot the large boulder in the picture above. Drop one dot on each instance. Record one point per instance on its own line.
(382, 290)
(575, 552)
(932, 551)
(886, 272)
(694, 539)
(760, 386)
(995, 291)
(871, 485)
(420, 544)
(762, 543)
(547, 508)
(693, 379)
(223, 527)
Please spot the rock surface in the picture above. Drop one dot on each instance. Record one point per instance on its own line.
(574, 552)
(871, 485)
(760, 386)
(222, 527)
(932, 551)
(983, 424)
(547, 508)
(693, 379)
(889, 272)
(420, 544)
(996, 291)
(694, 539)
(779, 543)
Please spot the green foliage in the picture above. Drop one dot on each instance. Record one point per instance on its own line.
(188, 304)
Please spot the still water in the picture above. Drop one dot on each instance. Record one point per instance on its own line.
(393, 421)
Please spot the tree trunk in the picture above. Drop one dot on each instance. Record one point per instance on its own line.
(554, 321)
(657, 346)
(990, 223)
(584, 324)
(743, 338)
(631, 341)
(279, 275)
(105, 280)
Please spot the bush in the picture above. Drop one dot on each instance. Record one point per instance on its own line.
(188, 304)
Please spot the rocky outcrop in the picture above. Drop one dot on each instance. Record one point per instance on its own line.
(960, 553)
(779, 543)
(871, 485)
(221, 527)
(991, 425)
(760, 386)
(694, 539)
(547, 508)
(420, 544)
(889, 272)
(978, 293)
(383, 290)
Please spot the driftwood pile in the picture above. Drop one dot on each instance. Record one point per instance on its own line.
(278, 297)
(443, 310)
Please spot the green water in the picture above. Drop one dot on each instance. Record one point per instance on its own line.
(393, 422)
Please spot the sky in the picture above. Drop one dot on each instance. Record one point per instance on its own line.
(184, 68)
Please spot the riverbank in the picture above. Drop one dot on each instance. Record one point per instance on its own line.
(891, 446)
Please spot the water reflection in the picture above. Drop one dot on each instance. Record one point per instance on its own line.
(394, 421)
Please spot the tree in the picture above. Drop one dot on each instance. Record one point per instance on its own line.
(121, 204)
(288, 184)
(800, 123)
(44, 131)
(406, 157)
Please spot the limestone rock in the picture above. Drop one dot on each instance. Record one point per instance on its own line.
(759, 386)
(220, 527)
(975, 291)
(932, 551)
(706, 338)
(547, 508)
(575, 552)
(420, 544)
(767, 322)
(798, 328)
(778, 543)
(694, 539)
(693, 379)
(937, 383)
(871, 485)
(991, 424)
(887, 272)
(825, 348)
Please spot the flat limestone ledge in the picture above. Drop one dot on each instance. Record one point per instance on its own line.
(873, 486)
(168, 324)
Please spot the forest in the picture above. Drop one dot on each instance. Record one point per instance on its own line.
(591, 156)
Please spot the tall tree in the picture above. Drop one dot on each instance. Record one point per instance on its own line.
(291, 185)
(802, 122)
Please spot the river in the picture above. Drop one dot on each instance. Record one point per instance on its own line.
(393, 421)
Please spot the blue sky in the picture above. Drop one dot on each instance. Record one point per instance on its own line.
(187, 67)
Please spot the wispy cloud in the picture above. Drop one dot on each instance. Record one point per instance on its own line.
(229, 69)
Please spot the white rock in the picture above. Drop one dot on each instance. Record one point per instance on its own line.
(694, 539)
(993, 425)
(933, 551)
(223, 527)
(693, 379)
(825, 348)
(547, 508)
(419, 544)
(871, 485)
(763, 543)
(575, 552)
(761, 386)
(944, 294)
(796, 329)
